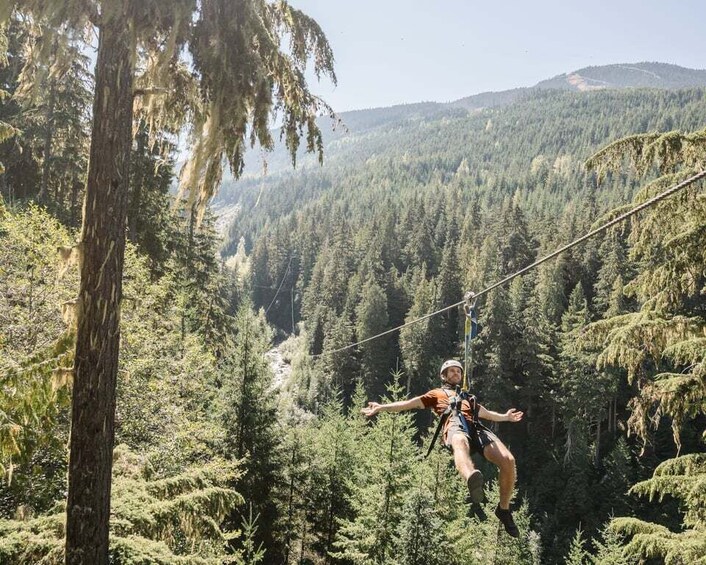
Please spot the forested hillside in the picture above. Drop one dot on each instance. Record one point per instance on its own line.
(215, 461)
(403, 220)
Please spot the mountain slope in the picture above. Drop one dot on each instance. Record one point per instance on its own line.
(635, 75)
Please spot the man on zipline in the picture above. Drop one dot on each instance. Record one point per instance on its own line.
(462, 444)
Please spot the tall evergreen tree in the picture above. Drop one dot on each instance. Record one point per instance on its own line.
(417, 340)
(221, 120)
(378, 487)
(249, 415)
(669, 373)
(372, 319)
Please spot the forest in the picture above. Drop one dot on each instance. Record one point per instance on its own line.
(213, 453)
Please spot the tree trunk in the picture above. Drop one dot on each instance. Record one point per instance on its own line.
(597, 457)
(98, 332)
(48, 138)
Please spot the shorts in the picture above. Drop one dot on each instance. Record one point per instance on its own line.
(480, 438)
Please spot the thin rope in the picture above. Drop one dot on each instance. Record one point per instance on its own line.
(280, 284)
(566, 247)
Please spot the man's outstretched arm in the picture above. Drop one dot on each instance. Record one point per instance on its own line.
(511, 415)
(373, 407)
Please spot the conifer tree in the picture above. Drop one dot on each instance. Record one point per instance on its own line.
(49, 108)
(334, 453)
(35, 357)
(222, 104)
(577, 553)
(609, 550)
(421, 535)
(372, 319)
(378, 486)
(174, 519)
(669, 373)
(417, 340)
(250, 419)
(449, 292)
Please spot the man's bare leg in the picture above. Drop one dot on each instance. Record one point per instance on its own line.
(465, 467)
(462, 455)
(500, 455)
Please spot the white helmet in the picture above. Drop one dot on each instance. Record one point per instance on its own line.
(450, 363)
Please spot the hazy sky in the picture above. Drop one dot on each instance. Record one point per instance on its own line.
(397, 51)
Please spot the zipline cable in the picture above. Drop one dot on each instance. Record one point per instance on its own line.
(618, 219)
(286, 272)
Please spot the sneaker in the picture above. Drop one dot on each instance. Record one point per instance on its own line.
(475, 487)
(505, 517)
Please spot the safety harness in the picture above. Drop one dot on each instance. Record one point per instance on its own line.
(456, 402)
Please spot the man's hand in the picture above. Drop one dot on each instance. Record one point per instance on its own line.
(513, 415)
(371, 409)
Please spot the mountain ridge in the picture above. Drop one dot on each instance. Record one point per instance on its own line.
(599, 77)
(375, 133)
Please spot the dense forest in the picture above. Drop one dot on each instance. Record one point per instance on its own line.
(218, 458)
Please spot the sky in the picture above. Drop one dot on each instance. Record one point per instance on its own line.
(402, 51)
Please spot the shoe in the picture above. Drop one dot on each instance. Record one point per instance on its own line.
(505, 517)
(475, 487)
(478, 512)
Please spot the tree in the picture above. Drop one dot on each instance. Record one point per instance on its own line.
(372, 319)
(50, 108)
(36, 352)
(417, 340)
(166, 520)
(669, 288)
(249, 416)
(577, 553)
(377, 486)
(239, 74)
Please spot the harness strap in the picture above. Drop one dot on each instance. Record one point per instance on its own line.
(454, 407)
(439, 426)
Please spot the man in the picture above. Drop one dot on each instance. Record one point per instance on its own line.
(480, 440)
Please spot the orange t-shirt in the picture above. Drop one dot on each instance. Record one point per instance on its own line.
(438, 400)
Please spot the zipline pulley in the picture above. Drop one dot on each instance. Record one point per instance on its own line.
(470, 332)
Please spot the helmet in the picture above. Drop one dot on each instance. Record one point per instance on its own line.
(450, 363)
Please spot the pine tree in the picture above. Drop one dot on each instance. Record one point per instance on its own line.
(417, 340)
(670, 320)
(577, 553)
(173, 519)
(372, 319)
(335, 453)
(449, 292)
(249, 415)
(610, 551)
(165, 32)
(36, 352)
(378, 486)
(421, 534)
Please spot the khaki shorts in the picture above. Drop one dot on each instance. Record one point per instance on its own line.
(480, 438)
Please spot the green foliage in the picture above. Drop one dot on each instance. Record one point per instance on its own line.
(662, 344)
(577, 553)
(36, 353)
(169, 520)
(476, 540)
(421, 536)
(610, 551)
(683, 479)
(378, 486)
(49, 109)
